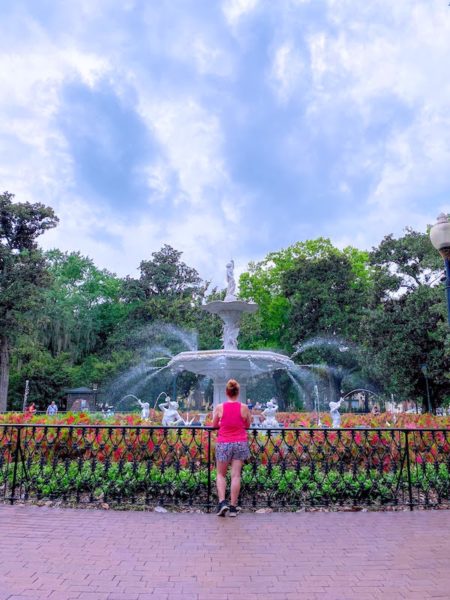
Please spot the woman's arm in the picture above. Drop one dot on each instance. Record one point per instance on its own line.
(246, 415)
(217, 415)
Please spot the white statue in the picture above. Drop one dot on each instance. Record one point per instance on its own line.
(256, 422)
(270, 421)
(230, 334)
(335, 414)
(145, 412)
(107, 411)
(231, 283)
(171, 416)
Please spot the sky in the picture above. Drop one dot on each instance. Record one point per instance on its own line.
(225, 128)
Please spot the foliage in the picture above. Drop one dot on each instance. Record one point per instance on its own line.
(265, 282)
(81, 307)
(23, 275)
(357, 319)
(405, 326)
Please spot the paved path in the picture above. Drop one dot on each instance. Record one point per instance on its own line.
(64, 554)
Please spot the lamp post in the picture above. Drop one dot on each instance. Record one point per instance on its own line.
(440, 238)
(95, 390)
(424, 369)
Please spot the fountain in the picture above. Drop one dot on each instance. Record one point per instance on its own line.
(270, 412)
(145, 410)
(335, 414)
(229, 362)
(171, 416)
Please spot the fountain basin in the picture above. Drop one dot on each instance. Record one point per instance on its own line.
(218, 307)
(222, 365)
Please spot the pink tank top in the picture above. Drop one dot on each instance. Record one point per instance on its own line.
(232, 427)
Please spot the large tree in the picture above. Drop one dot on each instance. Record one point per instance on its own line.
(82, 306)
(290, 276)
(405, 327)
(166, 275)
(167, 290)
(23, 274)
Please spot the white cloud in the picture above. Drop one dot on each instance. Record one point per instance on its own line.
(397, 52)
(286, 71)
(234, 10)
(191, 138)
(209, 57)
(35, 162)
(357, 56)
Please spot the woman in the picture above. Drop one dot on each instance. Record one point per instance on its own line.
(233, 419)
(31, 409)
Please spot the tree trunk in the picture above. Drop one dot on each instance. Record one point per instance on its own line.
(4, 373)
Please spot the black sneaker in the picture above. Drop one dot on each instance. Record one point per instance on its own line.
(222, 508)
(233, 511)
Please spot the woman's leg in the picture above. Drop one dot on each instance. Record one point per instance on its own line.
(221, 479)
(236, 467)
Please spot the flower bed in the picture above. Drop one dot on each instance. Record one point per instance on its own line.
(288, 419)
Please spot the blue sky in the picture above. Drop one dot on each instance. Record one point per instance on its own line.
(225, 127)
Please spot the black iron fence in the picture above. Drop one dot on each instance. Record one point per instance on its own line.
(288, 469)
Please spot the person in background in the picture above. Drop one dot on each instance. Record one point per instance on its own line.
(31, 409)
(232, 419)
(375, 409)
(52, 409)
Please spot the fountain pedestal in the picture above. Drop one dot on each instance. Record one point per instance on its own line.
(230, 311)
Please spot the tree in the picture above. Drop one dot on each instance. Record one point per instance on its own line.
(82, 306)
(23, 274)
(273, 282)
(327, 300)
(167, 290)
(405, 326)
(310, 289)
(166, 275)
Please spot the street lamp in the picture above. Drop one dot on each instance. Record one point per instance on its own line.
(95, 390)
(424, 369)
(440, 238)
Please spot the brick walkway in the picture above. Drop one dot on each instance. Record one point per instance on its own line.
(105, 555)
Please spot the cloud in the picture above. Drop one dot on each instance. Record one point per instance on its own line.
(230, 128)
(389, 65)
(234, 10)
(286, 71)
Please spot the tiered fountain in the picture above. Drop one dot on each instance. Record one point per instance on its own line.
(222, 365)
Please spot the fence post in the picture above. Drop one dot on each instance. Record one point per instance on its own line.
(408, 469)
(16, 460)
(209, 471)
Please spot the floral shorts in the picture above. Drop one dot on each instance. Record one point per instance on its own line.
(227, 451)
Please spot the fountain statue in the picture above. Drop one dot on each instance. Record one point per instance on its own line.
(231, 283)
(256, 422)
(270, 421)
(335, 414)
(145, 412)
(230, 332)
(171, 416)
(229, 362)
(107, 410)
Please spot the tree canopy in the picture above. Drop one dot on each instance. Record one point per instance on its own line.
(23, 275)
(375, 318)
